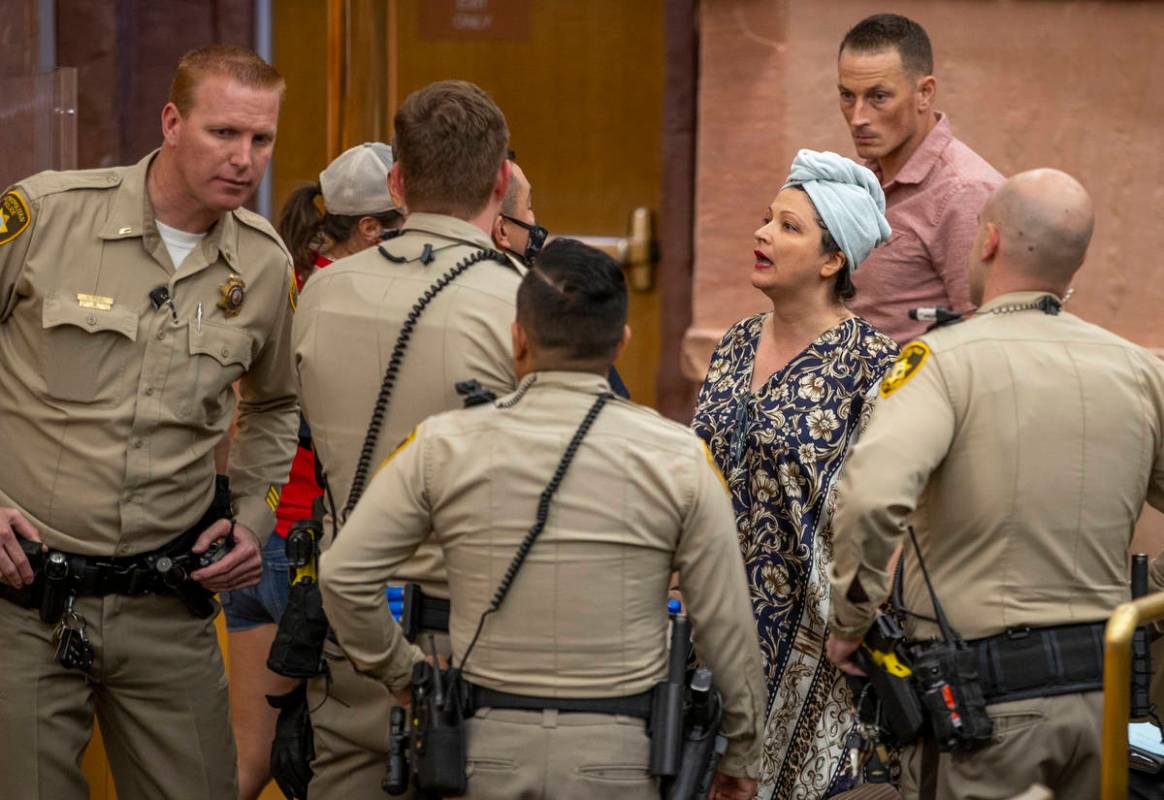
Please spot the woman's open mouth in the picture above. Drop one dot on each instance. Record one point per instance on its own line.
(762, 261)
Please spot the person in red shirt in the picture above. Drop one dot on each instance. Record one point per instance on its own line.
(357, 210)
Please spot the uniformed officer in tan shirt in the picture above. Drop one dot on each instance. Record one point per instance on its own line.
(452, 174)
(586, 616)
(131, 299)
(1021, 444)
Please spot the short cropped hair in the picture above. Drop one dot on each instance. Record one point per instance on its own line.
(509, 202)
(573, 302)
(237, 63)
(450, 140)
(882, 31)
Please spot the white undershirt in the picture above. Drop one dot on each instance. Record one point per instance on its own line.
(178, 243)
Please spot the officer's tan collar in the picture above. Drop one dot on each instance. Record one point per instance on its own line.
(587, 382)
(132, 216)
(450, 227)
(1013, 298)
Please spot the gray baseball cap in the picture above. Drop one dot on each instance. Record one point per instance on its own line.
(356, 183)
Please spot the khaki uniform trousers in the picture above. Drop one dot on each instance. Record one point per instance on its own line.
(158, 690)
(349, 719)
(548, 755)
(1054, 741)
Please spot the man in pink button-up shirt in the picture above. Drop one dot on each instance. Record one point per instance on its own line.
(934, 184)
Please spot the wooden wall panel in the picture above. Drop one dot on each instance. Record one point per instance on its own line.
(299, 51)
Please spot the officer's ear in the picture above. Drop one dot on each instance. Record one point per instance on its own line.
(171, 122)
(396, 186)
(500, 238)
(520, 342)
(626, 337)
(990, 241)
(501, 181)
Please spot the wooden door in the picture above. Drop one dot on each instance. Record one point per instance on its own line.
(581, 85)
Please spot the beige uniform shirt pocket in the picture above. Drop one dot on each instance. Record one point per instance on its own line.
(219, 356)
(86, 351)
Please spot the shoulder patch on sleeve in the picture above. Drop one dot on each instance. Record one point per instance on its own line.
(14, 216)
(714, 467)
(909, 363)
(400, 447)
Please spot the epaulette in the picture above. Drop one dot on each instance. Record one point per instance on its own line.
(49, 182)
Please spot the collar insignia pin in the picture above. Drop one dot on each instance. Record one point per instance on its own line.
(234, 291)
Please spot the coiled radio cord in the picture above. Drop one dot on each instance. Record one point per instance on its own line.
(540, 523)
(392, 371)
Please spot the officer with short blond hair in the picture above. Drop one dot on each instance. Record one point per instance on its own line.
(131, 300)
(1021, 445)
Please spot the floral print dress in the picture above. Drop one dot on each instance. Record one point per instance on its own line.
(781, 449)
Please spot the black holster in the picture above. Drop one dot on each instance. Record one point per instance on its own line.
(946, 675)
(886, 697)
(297, 651)
(440, 751)
(703, 746)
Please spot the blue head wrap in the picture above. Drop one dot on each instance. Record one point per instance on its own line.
(848, 198)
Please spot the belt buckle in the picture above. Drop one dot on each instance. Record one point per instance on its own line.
(1020, 632)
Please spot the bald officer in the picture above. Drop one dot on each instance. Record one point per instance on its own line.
(443, 294)
(1021, 444)
(131, 299)
(586, 619)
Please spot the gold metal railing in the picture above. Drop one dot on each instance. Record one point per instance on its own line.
(1117, 680)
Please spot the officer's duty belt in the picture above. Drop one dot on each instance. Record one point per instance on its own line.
(635, 705)
(1040, 662)
(97, 576)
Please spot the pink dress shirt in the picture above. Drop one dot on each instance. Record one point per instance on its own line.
(932, 205)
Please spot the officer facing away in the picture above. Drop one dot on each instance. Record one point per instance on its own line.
(433, 305)
(1031, 439)
(584, 624)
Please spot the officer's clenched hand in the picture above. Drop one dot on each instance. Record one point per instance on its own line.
(727, 787)
(841, 651)
(14, 567)
(238, 569)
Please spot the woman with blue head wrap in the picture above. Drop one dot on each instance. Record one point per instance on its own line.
(784, 396)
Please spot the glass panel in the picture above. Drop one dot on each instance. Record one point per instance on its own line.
(38, 123)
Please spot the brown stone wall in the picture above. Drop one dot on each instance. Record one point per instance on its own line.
(125, 52)
(19, 53)
(1074, 85)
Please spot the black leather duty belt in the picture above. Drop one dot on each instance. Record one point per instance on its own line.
(1040, 662)
(635, 705)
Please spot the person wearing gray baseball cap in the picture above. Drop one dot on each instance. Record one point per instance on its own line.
(357, 209)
